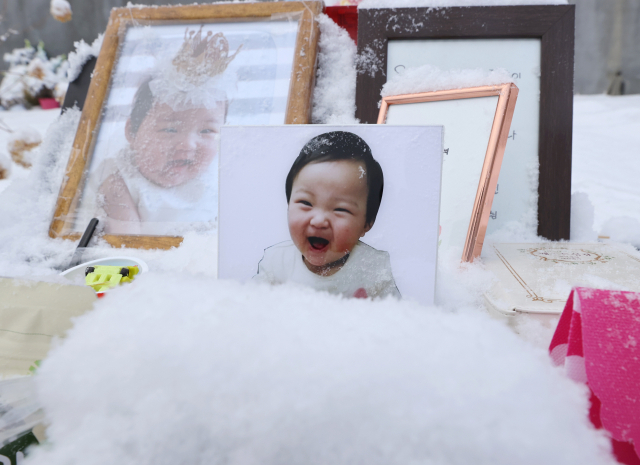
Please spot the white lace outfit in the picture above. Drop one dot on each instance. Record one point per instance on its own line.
(168, 210)
(367, 272)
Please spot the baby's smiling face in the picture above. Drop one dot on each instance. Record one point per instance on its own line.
(327, 210)
(172, 147)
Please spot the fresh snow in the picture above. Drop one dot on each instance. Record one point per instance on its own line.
(179, 368)
(82, 53)
(606, 163)
(334, 94)
(430, 78)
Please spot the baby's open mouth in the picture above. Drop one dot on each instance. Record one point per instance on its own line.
(318, 243)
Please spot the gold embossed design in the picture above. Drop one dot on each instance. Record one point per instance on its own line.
(530, 292)
(567, 255)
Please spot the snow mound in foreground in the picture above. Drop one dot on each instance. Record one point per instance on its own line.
(192, 370)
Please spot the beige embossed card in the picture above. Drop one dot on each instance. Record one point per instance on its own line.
(537, 278)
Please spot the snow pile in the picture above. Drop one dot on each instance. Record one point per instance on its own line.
(61, 10)
(429, 78)
(461, 285)
(83, 52)
(622, 229)
(334, 97)
(21, 146)
(605, 164)
(179, 369)
(31, 75)
(28, 203)
(451, 3)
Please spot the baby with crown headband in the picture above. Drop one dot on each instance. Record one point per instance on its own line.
(168, 173)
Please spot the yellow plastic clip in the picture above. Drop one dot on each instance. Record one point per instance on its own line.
(102, 278)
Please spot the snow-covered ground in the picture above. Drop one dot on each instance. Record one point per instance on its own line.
(606, 162)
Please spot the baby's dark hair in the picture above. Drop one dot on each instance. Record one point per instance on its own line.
(142, 103)
(341, 145)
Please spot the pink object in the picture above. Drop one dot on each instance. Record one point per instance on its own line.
(48, 103)
(598, 342)
(361, 293)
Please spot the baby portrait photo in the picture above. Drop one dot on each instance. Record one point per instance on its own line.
(352, 210)
(154, 168)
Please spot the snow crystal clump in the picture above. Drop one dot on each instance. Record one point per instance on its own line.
(21, 146)
(334, 97)
(61, 10)
(31, 75)
(451, 3)
(83, 53)
(429, 78)
(178, 369)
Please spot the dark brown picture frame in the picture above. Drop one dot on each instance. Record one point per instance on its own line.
(554, 25)
(298, 103)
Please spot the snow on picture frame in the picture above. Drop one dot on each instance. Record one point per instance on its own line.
(175, 74)
(257, 223)
(491, 37)
(477, 122)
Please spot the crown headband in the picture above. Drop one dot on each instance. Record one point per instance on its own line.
(196, 75)
(202, 58)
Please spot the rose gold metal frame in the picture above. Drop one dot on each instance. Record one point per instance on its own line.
(507, 96)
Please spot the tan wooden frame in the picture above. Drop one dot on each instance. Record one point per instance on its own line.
(507, 96)
(298, 104)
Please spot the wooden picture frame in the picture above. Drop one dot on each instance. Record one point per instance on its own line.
(298, 104)
(553, 25)
(507, 96)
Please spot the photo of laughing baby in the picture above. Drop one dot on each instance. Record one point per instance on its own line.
(334, 190)
(348, 210)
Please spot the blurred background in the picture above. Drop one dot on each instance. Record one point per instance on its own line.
(607, 36)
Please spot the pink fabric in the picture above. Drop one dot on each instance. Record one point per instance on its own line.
(598, 342)
(48, 103)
